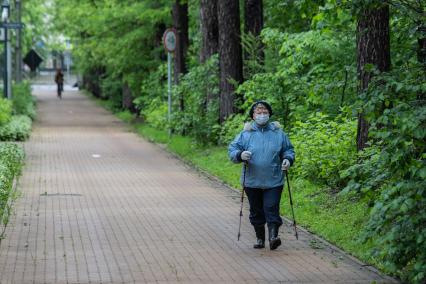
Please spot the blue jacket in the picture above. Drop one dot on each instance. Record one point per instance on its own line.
(269, 146)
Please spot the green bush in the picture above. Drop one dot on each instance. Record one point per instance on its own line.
(153, 94)
(5, 111)
(155, 114)
(199, 89)
(111, 89)
(11, 158)
(324, 147)
(17, 129)
(23, 101)
(392, 171)
(232, 126)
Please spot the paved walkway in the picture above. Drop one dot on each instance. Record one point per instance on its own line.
(101, 205)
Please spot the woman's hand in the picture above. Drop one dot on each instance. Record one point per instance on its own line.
(245, 155)
(285, 165)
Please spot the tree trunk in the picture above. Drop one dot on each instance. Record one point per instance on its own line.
(209, 29)
(180, 22)
(210, 38)
(230, 54)
(253, 16)
(421, 57)
(421, 51)
(373, 47)
(253, 20)
(127, 98)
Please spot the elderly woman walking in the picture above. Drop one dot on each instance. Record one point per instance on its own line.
(266, 151)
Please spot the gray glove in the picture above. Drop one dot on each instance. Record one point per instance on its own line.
(245, 155)
(286, 165)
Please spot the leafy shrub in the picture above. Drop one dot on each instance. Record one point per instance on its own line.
(232, 126)
(314, 70)
(5, 111)
(23, 101)
(392, 171)
(17, 129)
(152, 102)
(324, 147)
(11, 158)
(111, 89)
(156, 114)
(199, 88)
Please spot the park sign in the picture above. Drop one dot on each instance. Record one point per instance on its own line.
(32, 59)
(170, 40)
(12, 25)
(4, 26)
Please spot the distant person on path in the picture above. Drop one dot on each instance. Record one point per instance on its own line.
(266, 151)
(59, 79)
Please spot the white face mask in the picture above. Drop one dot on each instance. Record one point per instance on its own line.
(261, 119)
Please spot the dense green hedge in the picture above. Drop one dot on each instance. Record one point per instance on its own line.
(17, 129)
(11, 160)
(23, 101)
(16, 115)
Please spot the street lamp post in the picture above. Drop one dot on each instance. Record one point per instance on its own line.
(5, 12)
(18, 61)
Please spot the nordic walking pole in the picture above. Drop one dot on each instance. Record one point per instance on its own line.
(242, 200)
(291, 205)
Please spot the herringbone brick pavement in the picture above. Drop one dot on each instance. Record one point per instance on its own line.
(101, 205)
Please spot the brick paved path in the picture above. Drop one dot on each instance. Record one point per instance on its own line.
(100, 205)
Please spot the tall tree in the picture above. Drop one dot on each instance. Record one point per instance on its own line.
(180, 22)
(209, 29)
(373, 48)
(230, 54)
(253, 16)
(421, 50)
(253, 47)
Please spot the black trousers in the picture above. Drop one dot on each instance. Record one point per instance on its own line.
(264, 205)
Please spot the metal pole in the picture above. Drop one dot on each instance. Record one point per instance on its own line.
(169, 89)
(9, 66)
(291, 205)
(5, 64)
(242, 200)
(18, 63)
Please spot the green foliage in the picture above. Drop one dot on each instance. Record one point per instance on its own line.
(253, 51)
(122, 36)
(232, 126)
(11, 159)
(156, 114)
(199, 87)
(291, 15)
(111, 90)
(324, 146)
(5, 111)
(393, 170)
(315, 70)
(17, 129)
(23, 101)
(152, 102)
